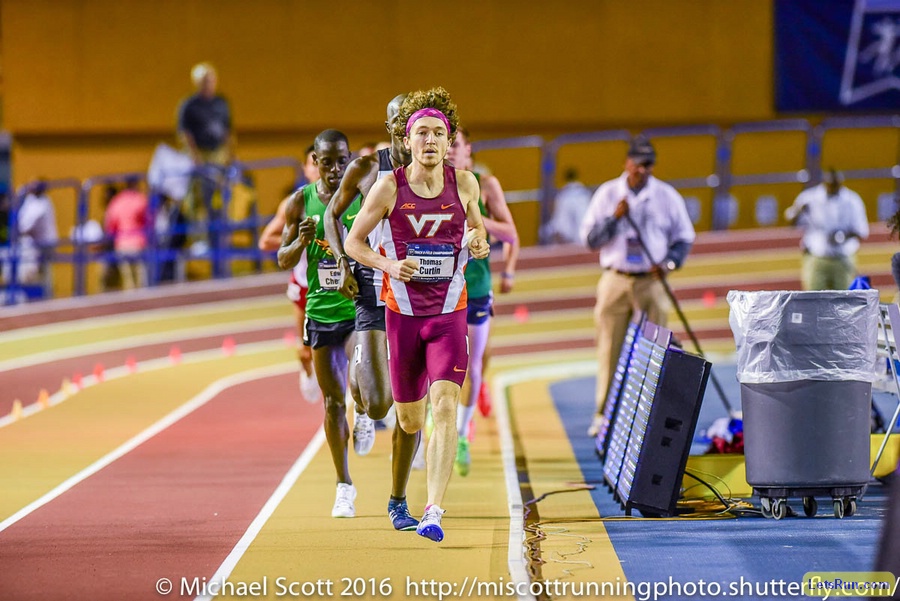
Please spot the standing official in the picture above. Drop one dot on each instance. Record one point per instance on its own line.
(833, 219)
(624, 212)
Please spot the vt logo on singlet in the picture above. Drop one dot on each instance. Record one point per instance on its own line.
(436, 219)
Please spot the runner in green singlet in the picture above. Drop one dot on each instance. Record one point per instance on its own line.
(498, 222)
(329, 327)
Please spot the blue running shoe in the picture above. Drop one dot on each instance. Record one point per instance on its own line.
(400, 517)
(430, 526)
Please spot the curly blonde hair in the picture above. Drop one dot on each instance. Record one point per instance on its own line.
(436, 98)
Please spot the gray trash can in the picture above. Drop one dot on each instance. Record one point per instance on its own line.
(806, 362)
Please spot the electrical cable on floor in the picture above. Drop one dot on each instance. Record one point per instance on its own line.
(539, 530)
(731, 506)
(537, 534)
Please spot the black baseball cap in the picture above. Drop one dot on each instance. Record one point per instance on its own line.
(641, 150)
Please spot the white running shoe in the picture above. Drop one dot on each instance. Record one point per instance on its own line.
(343, 501)
(430, 524)
(309, 387)
(363, 434)
(418, 462)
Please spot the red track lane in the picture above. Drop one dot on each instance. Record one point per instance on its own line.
(173, 507)
(26, 383)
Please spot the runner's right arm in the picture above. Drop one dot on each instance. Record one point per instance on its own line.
(297, 233)
(379, 203)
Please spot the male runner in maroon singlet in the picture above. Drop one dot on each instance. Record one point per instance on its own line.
(363, 284)
(431, 225)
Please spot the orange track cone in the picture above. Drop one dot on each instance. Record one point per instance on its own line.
(175, 355)
(131, 364)
(521, 314)
(16, 412)
(66, 388)
(99, 372)
(289, 338)
(43, 399)
(76, 380)
(228, 346)
(709, 299)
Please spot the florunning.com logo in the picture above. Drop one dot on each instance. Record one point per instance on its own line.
(873, 51)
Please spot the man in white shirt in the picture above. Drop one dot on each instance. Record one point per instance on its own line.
(569, 207)
(833, 219)
(37, 233)
(631, 280)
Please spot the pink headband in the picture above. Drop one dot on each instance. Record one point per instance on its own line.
(426, 112)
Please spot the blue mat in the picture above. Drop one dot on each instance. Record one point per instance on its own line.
(754, 556)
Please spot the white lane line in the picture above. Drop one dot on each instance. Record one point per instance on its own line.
(516, 561)
(151, 364)
(195, 403)
(290, 478)
(59, 354)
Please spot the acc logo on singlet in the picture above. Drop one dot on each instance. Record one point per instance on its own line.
(436, 219)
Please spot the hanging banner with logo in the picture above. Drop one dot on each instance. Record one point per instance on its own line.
(839, 55)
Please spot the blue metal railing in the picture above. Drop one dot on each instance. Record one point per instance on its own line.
(81, 253)
(720, 180)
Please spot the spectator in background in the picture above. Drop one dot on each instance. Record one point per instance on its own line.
(569, 208)
(833, 219)
(37, 234)
(204, 127)
(4, 214)
(126, 223)
(170, 226)
(111, 278)
(204, 120)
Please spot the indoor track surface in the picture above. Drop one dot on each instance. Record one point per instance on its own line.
(155, 446)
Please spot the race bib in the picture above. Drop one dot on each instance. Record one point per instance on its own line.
(435, 261)
(329, 274)
(634, 255)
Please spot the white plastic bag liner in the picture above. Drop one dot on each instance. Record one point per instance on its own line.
(791, 336)
(170, 171)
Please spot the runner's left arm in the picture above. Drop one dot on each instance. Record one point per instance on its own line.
(500, 223)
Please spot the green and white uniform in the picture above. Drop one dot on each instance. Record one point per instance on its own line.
(324, 302)
(478, 271)
(478, 282)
